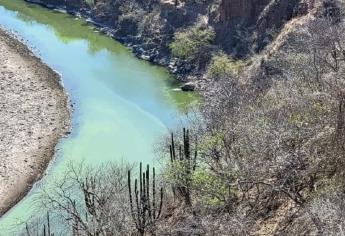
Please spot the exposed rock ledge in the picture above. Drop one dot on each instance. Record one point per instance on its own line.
(34, 115)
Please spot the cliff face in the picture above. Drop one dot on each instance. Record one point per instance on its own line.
(242, 26)
(73, 5)
(105, 12)
(243, 10)
(245, 25)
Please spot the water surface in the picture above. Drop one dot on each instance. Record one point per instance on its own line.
(121, 105)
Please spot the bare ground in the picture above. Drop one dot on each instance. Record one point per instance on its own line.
(34, 115)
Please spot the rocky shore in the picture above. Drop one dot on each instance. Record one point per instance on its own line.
(156, 53)
(140, 49)
(34, 115)
(242, 27)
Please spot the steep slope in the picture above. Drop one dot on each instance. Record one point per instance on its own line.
(242, 27)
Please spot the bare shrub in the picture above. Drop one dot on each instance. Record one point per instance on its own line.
(91, 201)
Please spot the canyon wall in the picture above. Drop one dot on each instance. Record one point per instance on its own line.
(249, 25)
(242, 27)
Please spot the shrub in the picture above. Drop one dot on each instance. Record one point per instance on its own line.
(222, 66)
(189, 44)
(211, 189)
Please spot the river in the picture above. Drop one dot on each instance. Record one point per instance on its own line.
(121, 105)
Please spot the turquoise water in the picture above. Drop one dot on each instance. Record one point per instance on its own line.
(121, 105)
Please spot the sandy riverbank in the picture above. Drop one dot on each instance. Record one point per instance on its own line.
(34, 115)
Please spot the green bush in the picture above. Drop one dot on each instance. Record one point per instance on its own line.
(210, 188)
(189, 43)
(222, 66)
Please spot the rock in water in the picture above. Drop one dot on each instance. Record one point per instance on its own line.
(189, 86)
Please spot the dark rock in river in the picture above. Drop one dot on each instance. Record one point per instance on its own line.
(189, 86)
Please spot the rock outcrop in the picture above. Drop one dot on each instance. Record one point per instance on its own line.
(241, 10)
(242, 26)
(74, 5)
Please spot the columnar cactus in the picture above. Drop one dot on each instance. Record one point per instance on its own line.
(187, 165)
(144, 209)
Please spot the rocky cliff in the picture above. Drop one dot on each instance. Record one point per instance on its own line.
(242, 26)
(247, 25)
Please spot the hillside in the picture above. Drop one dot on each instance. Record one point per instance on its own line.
(241, 28)
(266, 154)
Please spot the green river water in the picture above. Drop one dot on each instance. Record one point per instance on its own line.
(121, 105)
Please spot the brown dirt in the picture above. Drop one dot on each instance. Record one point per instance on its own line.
(34, 115)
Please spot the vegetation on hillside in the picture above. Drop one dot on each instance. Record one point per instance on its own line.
(222, 67)
(190, 43)
(266, 158)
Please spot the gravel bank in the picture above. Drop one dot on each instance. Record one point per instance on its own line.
(34, 115)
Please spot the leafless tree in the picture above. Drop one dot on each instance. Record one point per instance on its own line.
(91, 201)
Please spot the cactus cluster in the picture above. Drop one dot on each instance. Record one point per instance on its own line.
(185, 159)
(146, 209)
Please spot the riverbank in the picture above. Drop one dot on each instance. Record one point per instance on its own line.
(149, 29)
(34, 115)
(149, 46)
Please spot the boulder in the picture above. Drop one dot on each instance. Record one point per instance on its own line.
(189, 86)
